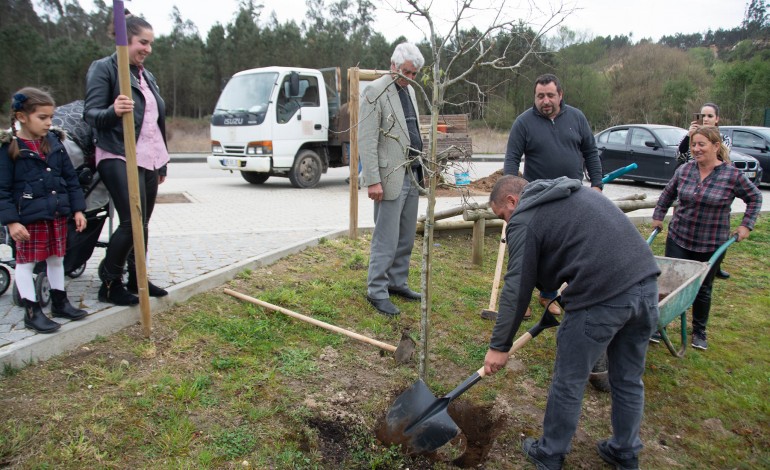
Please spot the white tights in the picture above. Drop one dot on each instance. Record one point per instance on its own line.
(26, 284)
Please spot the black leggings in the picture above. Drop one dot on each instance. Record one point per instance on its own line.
(702, 304)
(113, 172)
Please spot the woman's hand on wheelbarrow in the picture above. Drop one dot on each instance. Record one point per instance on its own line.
(657, 224)
(743, 233)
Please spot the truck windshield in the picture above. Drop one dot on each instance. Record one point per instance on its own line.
(247, 93)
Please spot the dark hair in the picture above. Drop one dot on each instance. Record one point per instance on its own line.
(507, 185)
(547, 78)
(134, 26)
(712, 105)
(26, 101)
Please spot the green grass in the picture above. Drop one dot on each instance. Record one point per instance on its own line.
(224, 383)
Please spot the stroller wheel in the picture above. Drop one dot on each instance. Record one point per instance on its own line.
(77, 272)
(17, 301)
(5, 279)
(43, 289)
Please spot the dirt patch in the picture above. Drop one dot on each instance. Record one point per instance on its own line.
(172, 198)
(480, 187)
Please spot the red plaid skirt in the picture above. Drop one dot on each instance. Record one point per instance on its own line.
(46, 238)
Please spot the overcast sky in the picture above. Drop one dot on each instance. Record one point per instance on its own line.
(643, 18)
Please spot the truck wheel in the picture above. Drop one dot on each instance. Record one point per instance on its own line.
(307, 169)
(254, 177)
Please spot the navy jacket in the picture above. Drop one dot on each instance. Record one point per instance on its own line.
(33, 189)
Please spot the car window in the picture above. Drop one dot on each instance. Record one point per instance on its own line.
(747, 140)
(617, 136)
(640, 136)
(602, 139)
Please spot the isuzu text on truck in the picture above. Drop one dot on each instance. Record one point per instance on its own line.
(280, 121)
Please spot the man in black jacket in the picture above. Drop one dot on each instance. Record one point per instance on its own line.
(562, 232)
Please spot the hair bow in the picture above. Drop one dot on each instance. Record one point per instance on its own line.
(18, 101)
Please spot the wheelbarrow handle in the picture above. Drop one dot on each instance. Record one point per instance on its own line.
(619, 172)
(720, 251)
(652, 236)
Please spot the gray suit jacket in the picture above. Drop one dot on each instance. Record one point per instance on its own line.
(383, 138)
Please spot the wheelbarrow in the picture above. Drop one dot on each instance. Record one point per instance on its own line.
(678, 285)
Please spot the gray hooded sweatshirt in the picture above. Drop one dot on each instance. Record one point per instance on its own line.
(562, 231)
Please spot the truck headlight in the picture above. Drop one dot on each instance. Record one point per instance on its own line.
(216, 147)
(261, 147)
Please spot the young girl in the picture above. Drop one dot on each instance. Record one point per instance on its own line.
(38, 191)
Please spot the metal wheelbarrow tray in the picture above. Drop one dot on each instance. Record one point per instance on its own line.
(678, 285)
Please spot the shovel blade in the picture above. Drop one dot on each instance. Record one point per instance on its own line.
(419, 421)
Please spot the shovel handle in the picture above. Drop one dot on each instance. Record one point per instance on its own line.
(312, 321)
(498, 270)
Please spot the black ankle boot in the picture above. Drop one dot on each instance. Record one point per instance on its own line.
(114, 293)
(61, 306)
(152, 289)
(35, 319)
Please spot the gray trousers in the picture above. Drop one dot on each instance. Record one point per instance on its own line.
(621, 325)
(395, 223)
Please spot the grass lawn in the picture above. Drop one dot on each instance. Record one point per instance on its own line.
(226, 384)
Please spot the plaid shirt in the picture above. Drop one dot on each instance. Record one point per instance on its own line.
(701, 221)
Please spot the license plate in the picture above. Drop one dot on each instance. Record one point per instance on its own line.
(231, 162)
(751, 174)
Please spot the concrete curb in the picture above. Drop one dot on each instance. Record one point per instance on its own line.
(111, 320)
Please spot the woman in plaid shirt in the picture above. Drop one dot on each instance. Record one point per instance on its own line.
(706, 188)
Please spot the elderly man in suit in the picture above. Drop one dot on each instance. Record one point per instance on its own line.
(389, 143)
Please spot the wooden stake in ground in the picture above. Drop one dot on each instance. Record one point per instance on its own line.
(491, 312)
(129, 141)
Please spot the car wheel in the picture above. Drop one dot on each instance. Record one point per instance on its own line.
(254, 177)
(307, 170)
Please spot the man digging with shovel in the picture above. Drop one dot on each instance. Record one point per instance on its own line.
(561, 232)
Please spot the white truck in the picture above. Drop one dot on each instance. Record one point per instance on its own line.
(280, 121)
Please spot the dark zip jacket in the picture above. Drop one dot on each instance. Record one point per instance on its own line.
(33, 189)
(102, 87)
(564, 232)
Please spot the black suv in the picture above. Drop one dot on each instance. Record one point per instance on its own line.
(754, 141)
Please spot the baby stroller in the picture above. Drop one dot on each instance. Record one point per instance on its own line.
(80, 245)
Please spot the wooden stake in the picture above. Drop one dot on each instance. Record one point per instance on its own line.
(129, 141)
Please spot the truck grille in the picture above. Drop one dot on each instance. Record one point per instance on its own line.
(234, 149)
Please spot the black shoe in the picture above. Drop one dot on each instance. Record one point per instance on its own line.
(699, 340)
(529, 446)
(61, 307)
(35, 319)
(115, 293)
(722, 274)
(152, 289)
(384, 306)
(405, 292)
(606, 454)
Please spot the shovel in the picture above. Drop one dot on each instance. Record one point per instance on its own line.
(420, 422)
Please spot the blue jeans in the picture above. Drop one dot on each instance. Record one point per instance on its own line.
(622, 326)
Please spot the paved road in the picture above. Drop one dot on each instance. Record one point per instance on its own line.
(221, 223)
